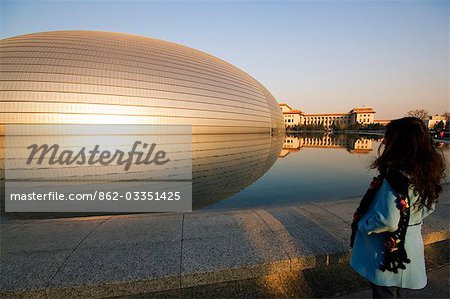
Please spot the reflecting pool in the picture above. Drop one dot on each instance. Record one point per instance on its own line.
(231, 171)
(314, 167)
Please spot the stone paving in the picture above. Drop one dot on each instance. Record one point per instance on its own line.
(438, 287)
(107, 256)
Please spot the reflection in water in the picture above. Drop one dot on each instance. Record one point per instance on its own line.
(222, 165)
(226, 164)
(313, 167)
(354, 144)
(231, 170)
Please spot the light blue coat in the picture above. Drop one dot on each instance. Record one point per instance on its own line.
(383, 216)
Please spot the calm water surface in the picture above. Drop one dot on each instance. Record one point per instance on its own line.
(234, 171)
(313, 168)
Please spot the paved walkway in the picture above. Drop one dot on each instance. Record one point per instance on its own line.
(438, 287)
(111, 256)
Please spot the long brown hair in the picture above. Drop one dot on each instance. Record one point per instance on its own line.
(408, 147)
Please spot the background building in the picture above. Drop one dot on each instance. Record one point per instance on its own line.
(432, 121)
(292, 117)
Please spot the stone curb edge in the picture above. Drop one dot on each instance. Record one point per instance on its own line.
(123, 288)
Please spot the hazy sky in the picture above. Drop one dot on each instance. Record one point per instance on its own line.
(318, 56)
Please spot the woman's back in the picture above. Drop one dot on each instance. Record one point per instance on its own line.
(383, 217)
(388, 247)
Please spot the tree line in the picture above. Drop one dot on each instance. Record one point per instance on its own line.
(424, 114)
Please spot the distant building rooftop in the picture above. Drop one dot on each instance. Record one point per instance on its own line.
(296, 111)
(327, 114)
(362, 110)
(284, 104)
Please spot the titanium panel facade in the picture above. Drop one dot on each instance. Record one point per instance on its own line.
(114, 78)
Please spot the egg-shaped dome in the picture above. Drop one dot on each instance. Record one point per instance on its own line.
(114, 78)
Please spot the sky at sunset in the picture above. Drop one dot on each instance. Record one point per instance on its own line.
(317, 56)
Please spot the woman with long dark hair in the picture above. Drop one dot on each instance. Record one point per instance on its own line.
(386, 230)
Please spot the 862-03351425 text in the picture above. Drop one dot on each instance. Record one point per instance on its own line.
(99, 195)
